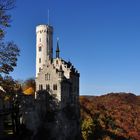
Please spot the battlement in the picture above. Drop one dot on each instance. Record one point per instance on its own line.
(44, 28)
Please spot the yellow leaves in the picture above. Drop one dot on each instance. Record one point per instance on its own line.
(6, 98)
(29, 91)
(87, 128)
(28, 86)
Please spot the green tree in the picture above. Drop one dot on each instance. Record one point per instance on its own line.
(87, 128)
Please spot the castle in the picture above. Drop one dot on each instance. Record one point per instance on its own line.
(55, 75)
(59, 79)
(54, 113)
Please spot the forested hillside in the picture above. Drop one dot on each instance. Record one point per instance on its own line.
(113, 116)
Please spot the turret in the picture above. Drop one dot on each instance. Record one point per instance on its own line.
(57, 50)
(44, 46)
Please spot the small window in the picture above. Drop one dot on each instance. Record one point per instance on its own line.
(40, 49)
(47, 87)
(54, 87)
(56, 61)
(39, 39)
(40, 87)
(40, 69)
(39, 60)
(47, 76)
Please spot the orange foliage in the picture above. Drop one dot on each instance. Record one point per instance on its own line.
(118, 113)
(29, 91)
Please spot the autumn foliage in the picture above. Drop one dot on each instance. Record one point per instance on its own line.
(29, 91)
(114, 116)
(28, 86)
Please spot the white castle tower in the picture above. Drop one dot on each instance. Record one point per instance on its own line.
(44, 46)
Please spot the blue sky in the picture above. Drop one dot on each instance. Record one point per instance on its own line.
(100, 37)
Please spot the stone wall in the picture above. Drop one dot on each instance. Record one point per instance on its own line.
(48, 121)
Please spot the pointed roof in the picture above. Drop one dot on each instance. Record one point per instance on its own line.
(57, 48)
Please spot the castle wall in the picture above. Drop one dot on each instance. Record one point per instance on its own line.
(51, 80)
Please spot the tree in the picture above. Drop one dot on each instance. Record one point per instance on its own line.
(8, 50)
(29, 86)
(30, 82)
(88, 128)
(8, 57)
(5, 5)
(29, 91)
(8, 84)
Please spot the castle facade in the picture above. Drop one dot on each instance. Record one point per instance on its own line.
(55, 75)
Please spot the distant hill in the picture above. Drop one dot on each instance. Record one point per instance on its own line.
(113, 116)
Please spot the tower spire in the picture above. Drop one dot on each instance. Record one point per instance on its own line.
(57, 48)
